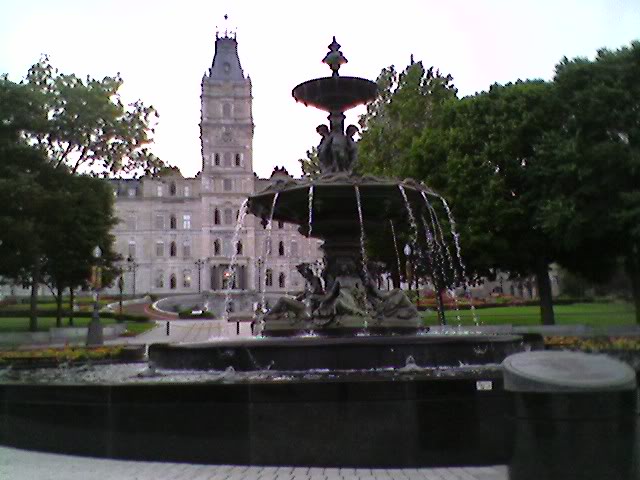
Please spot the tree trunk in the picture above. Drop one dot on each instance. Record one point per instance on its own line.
(71, 300)
(544, 292)
(59, 307)
(632, 269)
(33, 309)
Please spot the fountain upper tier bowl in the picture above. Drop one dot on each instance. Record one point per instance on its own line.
(334, 202)
(335, 94)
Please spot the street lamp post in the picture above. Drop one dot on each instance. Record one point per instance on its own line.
(133, 266)
(121, 290)
(94, 333)
(199, 263)
(259, 263)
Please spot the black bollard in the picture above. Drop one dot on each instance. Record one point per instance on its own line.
(575, 416)
(168, 323)
(237, 328)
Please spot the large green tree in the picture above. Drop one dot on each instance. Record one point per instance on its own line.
(597, 172)
(89, 127)
(494, 179)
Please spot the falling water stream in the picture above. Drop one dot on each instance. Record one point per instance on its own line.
(395, 246)
(267, 254)
(242, 213)
(310, 229)
(363, 253)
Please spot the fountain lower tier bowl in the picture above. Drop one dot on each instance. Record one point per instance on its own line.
(335, 94)
(334, 208)
(342, 353)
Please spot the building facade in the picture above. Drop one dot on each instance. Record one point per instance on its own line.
(178, 235)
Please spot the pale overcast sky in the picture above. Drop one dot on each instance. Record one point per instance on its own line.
(163, 48)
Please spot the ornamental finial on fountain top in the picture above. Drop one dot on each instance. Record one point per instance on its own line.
(334, 58)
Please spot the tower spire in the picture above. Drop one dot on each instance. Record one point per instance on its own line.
(227, 31)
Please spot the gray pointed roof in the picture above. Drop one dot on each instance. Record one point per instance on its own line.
(226, 63)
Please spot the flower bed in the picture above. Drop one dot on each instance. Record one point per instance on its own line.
(51, 357)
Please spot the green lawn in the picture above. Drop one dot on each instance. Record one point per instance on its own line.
(84, 304)
(594, 314)
(21, 324)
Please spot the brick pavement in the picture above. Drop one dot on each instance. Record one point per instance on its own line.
(18, 464)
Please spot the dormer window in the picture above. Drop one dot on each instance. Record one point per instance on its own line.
(172, 189)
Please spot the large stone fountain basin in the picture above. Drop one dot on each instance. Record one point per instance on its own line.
(335, 94)
(339, 354)
(335, 205)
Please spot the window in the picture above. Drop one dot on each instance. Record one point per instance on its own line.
(268, 277)
(280, 225)
(132, 191)
(159, 280)
(227, 184)
(131, 221)
(281, 248)
(186, 279)
(216, 159)
(173, 249)
(216, 246)
(227, 159)
(132, 249)
(226, 110)
(186, 249)
(186, 221)
(172, 282)
(238, 160)
(216, 217)
(159, 221)
(294, 248)
(187, 191)
(159, 190)
(172, 189)
(173, 224)
(159, 249)
(228, 216)
(282, 280)
(239, 247)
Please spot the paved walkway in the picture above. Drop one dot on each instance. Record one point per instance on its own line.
(23, 465)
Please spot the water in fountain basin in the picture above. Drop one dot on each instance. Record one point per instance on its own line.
(365, 271)
(234, 258)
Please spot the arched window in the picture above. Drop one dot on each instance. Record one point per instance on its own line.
(294, 248)
(172, 189)
(173, 250)
(282, 280)
(281, 248)
(216, 217)
(226, 110)
(228, 216)
(159, 281)
(186, 279)
(268, 277)
(239, 247)
(172, 282)
(216, 159)
(173, 224)
(216, 246)
(186, 249)
(238, 159)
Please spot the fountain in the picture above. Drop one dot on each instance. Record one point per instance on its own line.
(344, 374)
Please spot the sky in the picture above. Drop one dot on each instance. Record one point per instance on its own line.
(162, 49)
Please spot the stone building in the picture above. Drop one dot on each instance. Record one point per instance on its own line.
(177, 234)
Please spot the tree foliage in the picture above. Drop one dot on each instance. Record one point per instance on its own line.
(89, 128)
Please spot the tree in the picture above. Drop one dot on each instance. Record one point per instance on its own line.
(88, 125)
(311, 164)
(494, 173)
(597, 199)
(407, 105)
(79, 221)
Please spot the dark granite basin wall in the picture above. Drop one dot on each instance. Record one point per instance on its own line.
(335, 423)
